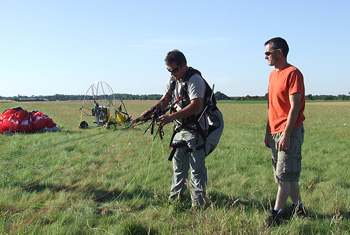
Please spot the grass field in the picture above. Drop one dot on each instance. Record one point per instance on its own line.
(100, 181)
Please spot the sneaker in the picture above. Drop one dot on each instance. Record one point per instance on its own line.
(274, 218)
(299, 211)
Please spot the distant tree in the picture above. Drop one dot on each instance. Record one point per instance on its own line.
(343, 97)
(328, 97)
(309, 97)
(266, 97)
(221, 96)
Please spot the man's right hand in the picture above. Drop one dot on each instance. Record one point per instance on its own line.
(267, 140)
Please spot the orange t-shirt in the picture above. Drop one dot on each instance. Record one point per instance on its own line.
(282, 84)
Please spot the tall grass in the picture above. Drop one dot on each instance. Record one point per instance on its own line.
(100, 181)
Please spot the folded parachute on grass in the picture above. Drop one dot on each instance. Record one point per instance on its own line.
(19, 120)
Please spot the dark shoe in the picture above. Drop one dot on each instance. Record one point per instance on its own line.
(274, 218)
(179, 197)
(299, 211)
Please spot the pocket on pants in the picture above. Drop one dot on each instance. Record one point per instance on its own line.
(289, 164)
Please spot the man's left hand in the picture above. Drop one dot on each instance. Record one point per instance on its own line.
(165, 119)
(284, 143)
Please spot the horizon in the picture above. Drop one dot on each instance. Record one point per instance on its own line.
(37, 96)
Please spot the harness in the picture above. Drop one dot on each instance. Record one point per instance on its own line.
(192, 123)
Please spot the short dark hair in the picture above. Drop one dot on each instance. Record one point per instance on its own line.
(175, 56)
(279, 43)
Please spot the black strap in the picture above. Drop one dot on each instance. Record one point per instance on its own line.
(183, 144)
(174, 147)
(190, 72)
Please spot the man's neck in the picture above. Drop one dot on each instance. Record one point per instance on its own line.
(281, 65)
(185, 69)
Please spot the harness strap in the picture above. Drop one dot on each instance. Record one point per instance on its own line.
(193, 119)
(183, 144)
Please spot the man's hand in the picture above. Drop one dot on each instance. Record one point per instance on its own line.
(284, 143)
(191, 109)
(267, 136)
(267, 140)
(165, 119)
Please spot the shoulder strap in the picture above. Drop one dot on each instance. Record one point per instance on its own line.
(190, 72)
(208, 91)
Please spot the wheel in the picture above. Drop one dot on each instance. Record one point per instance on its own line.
(111, 125)
(83, 125)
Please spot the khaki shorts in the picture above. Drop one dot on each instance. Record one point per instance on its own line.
(287, 164)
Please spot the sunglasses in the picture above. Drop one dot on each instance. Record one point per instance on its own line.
(173, 70)
(269, 52)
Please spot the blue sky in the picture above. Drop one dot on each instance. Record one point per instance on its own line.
(62, 47)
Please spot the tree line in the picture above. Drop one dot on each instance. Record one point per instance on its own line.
(218, 95)
(221, 96)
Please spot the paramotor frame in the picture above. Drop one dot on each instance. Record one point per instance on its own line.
(99, 102)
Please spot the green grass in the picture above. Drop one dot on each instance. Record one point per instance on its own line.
(100, 181)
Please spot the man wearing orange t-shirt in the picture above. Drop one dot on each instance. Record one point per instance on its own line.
(285, 130)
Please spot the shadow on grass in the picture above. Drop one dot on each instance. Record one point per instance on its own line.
(135, 227)
(35, 188)
(217, 199)
(221, 200)
(334, 218)
(98, 195)
(104, 196)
